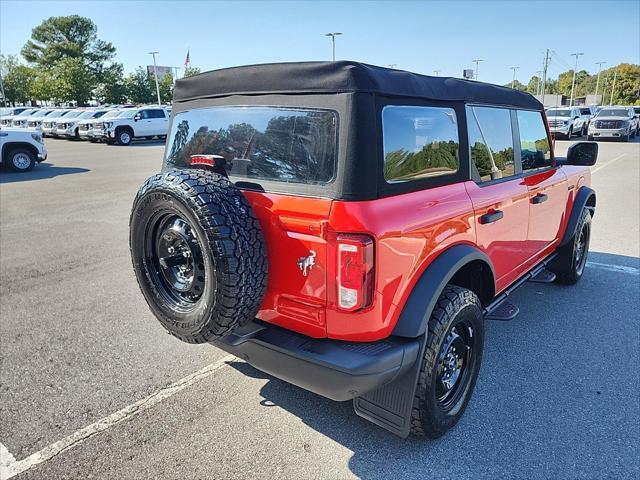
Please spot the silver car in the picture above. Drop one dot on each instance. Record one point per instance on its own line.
(614, 122)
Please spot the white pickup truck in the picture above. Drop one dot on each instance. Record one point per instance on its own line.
(141, 122)
(21, 148)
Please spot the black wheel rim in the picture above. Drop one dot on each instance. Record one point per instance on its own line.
(175, 260)
(581, 249)
(456, 360)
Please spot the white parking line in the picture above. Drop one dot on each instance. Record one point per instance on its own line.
(9, 467)
(614, 268)
(608, 163)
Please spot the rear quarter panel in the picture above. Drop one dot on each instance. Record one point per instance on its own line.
(410, 230)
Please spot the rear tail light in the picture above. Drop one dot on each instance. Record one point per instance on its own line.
(355, 271)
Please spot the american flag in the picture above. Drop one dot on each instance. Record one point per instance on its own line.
(187, 60)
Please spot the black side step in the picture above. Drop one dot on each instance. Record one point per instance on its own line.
(544, 276)
(503, 312)
(501, 308)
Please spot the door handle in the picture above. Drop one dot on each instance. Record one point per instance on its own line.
(491, 217)
(539, 198)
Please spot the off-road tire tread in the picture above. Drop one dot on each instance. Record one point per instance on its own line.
(563, 265)
(235, 241)
(451, 301)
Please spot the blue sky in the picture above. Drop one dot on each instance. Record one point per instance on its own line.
(417, 36)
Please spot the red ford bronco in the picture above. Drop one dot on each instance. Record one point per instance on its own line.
(348, 228)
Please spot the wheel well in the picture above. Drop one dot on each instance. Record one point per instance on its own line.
(477, 277)
(124, 127)
(591, 201)
(9, 147)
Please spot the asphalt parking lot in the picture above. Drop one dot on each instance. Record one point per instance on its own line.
(92, 387)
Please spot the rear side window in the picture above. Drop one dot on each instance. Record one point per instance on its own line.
(585, 111)
(534, 143)
(152, 114)
(419, 142)
(491, 142)
(263, 143)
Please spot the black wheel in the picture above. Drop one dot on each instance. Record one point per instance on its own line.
(124, 136)
(198, 254)
(583, 133)
(626, 137)
(572, 258)
(21, 160)
(451, 362)
(570, 134)
(590, 138)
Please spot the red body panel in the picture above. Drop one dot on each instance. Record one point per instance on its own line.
(409, 232)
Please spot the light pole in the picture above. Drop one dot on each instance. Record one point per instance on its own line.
(613, 87)
(437, 72)
(333, 36)
(598, 79)
(573, 82)
(155, 72)
(538, 75)
(514, 75)
(477, 62)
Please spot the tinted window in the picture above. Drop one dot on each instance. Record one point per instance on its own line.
(585, 111)
(613, 112)
(269, 143)
(152, 114)
(558, 113)
(419, 142)
(534, 143)
(491, 142)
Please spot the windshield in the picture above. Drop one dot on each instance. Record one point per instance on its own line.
(27, 113)
(613, 112)
(267, 143)
(558, 113)
(72, 114)
(127, 113)
(111, 114)
(98, 114)
(87, 114)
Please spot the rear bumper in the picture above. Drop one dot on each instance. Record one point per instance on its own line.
(331, 368)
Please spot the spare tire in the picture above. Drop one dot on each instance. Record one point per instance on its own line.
(198, 254)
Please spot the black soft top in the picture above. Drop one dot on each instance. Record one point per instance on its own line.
(344, 77)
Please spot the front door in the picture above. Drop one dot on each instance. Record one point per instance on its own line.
(547, 185)
(499, 196)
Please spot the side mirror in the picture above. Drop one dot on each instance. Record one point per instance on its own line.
(136, 117)
(582, 153)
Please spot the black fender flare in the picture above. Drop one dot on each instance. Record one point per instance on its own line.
(580, 203)
(414, 318)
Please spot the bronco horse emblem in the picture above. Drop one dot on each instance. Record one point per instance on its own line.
(307, 263)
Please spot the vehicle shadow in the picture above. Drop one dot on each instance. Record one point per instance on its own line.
(548, 402)
(147, 143)
(40, 172)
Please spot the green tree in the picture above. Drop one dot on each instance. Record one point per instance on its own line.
(45, 85)
(59, 38)
(140, 87)
(17, 80)
(74, 81)
(112, 87)
(627, 84)
(166, 88)
(191, 71)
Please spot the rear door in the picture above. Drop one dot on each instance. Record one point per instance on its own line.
(547, 184)
(499, 196)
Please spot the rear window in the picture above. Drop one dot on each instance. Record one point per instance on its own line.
(262, 143)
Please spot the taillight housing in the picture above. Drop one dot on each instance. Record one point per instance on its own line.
(355, 271)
